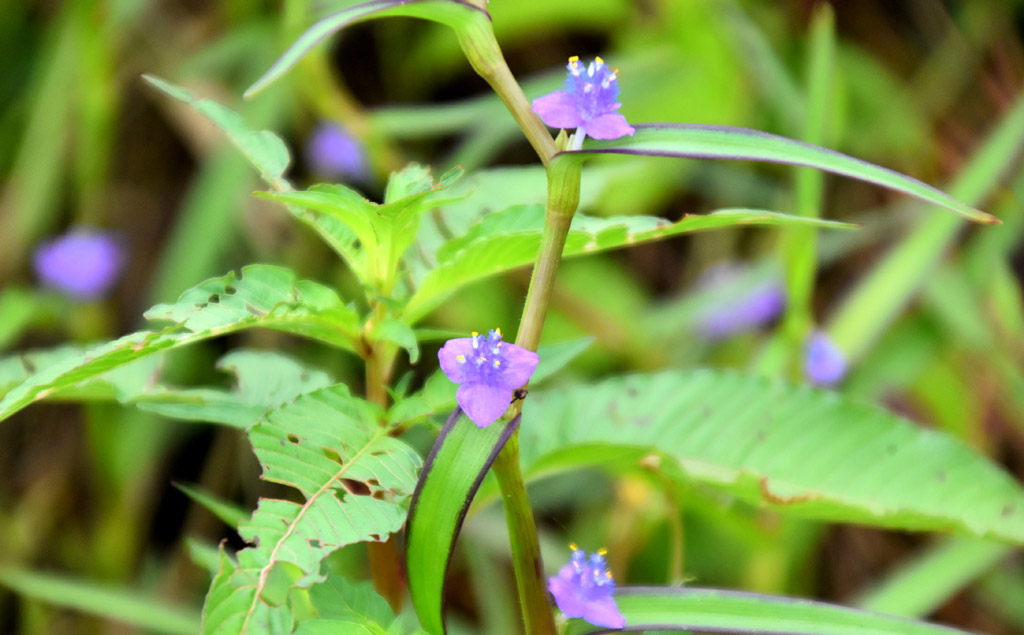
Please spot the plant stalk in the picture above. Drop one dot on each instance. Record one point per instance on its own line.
(484, 55)
(383, 556)
(563, 197)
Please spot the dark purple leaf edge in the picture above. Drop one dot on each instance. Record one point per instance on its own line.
(449, 425)
(750, 132)
(775, 599)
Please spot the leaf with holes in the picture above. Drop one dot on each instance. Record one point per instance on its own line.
(265, 379)
(263, 297)
(794, 449)
(264, 149)
(355, 482)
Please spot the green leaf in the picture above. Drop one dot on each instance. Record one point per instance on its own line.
(341, 204)
(110, 602)
(400, 333)
(454, 13)
(793, 449)
(121, 383)
(337, 597)
(265, 379)
(450, 478)
(384, 232)
(264, 296)
(262, 148)
(355, 481)
(511, 239)
(724, 142)
(230, 513)
(554, 357)
(740, 612)
(348, 625)
(268, 154)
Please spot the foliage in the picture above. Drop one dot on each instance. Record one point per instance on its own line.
(639, 429)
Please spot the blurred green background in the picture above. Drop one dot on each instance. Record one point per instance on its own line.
(86, 492)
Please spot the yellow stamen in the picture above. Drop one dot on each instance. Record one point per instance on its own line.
(599, 61)
(574, 59)
(608, 574)
(475, 333)
(572, 545)
(602, 551)
(460, 358)
(498, 330)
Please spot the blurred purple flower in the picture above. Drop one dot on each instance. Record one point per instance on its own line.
(332, 152)
(744, 309)
(83, 264)
(824, 363)
(588, 102)
(584, 588)
(488, 371)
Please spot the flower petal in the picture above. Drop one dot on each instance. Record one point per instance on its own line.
(610, 126)
(519, 364)
(483, 404)
(603, 612)
(567, 597)
(558, 110)
(449, 354)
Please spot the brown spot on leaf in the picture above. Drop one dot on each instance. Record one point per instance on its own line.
(1008, 510)
(771, 497)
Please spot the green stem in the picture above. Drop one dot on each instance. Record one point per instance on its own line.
(522, 531)
(563, 197)
(484, 55)
(383, 556)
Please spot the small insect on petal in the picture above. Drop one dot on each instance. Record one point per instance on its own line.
(487, 385)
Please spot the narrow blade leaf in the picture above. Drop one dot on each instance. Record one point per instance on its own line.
(450, 478)
(724, 142)
(713, 610)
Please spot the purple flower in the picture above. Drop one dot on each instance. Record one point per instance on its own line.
(487, 370)
(334, 153)
(584, 588)
(83, 264)
(824, 363)
(742, 307)
(588, 102)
